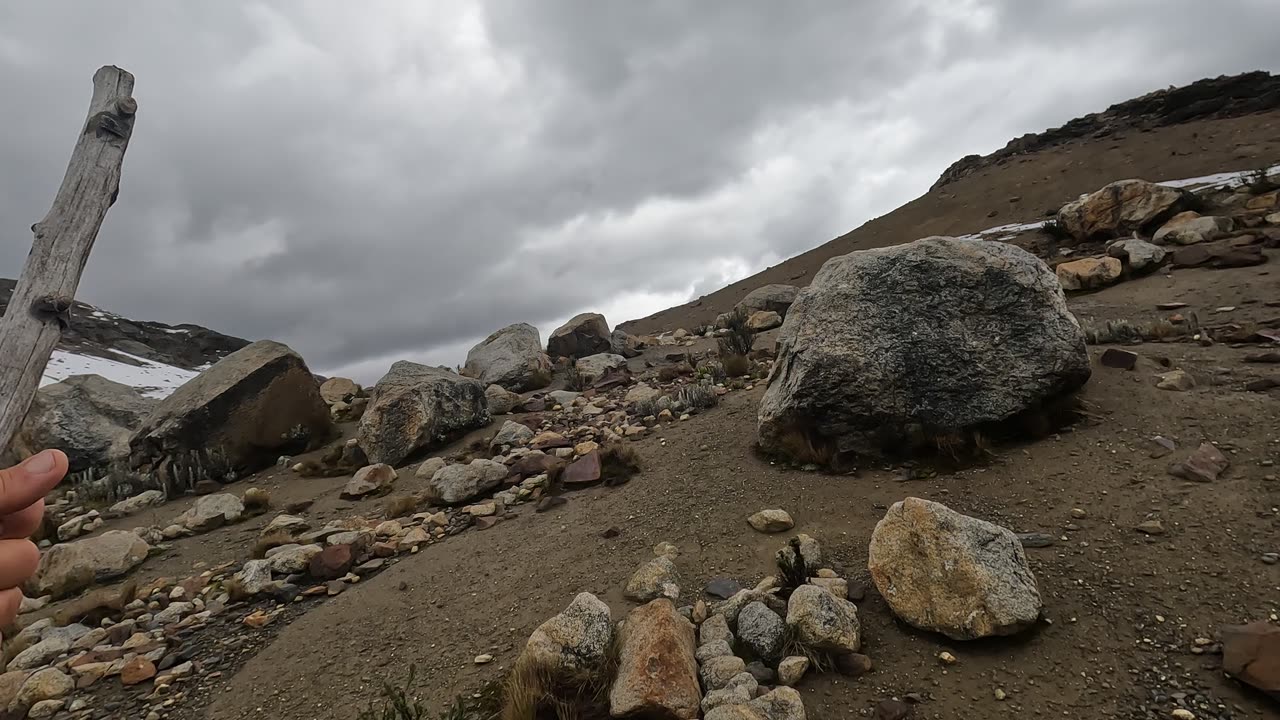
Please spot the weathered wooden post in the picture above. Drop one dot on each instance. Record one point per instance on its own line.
(41, 302)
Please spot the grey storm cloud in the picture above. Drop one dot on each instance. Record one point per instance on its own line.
(374, 181)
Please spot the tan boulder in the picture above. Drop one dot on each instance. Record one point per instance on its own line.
(1089, 273)
(946, 572)
(339, 389)
(67, 568)
(1120, 208)
(657, 672)
(763, 320)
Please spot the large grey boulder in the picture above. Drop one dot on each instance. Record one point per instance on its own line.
(771, 298)
(585, 334)
(946, 572)
(890, 348)
(254, 405)
(1121, 208)
(512, 358)
(460, 483)
(67, 568)
(762, 630)
(88, 417)
(575, 641)
(415, 407)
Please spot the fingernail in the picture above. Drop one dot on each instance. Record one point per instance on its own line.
(41, 463)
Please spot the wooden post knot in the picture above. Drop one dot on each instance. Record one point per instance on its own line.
(110, 126)
(52, 307)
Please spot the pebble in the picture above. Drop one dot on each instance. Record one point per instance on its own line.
(947, 658)
(483, 659)
(1271, 558)
(1182, 714)
(1000, 694)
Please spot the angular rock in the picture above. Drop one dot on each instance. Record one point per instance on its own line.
(564, 398)
(137, 503)
(715, 629)
(1251, 654)
(625, 344)
(511, 358)
(211, 512)
(255, 577)
(332, 563)
(715, 648)
(1190, 228)
(733, 606)
(46, 684)
(339, 389)
(1088, 273)
(1175, 380)
(512, 434)
(585, 334)
(764, 320)
(67, 568)
(1218, 255)
(1120, 208)
(136, 671)
(836, 387)
(576, 640)
(771, 521)
(415, 407)
(1204, 464)
(740, 690)
(768, 298)
(1139, 255)
(946, 572)
(823, 621)
(369, 480)
(722, 588)
(41, 654)
(657, 578)
(1119, 359)
(548, 440)
(254, 405)
(852, 664)
(295, 559)
(500, 400)
(592, 367)
(88, 417)
(459, 483)
(792, 669)
(641, 393)
(583, 471)
(429, 468)
(286, 523)
(762, 630)
(718, 671)
(657, 672)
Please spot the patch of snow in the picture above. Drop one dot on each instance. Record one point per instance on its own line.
(152, 379)
(1217, 180)
(176, 331)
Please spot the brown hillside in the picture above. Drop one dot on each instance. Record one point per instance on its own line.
(1021, 188)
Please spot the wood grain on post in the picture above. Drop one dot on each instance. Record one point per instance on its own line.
(41, 302)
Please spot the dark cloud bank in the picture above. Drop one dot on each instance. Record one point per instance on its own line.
(373, 182)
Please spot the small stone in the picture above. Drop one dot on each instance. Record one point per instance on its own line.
(1182, 714)
(137, 670)
(1079, 513)
(1035, 540)
(1119, 359)
(718, 671)
(483, 659)
(1151, 527)
(1205, 464)
(654, 579)
(1000, 694)
(852, 664)
(947, 658)
(1175, 380)
(722, 588)
(761, 630)
(792, 669)
(666, 550)
(1271, 558)
(771, 521)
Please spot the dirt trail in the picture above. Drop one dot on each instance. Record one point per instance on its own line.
(1123, 608)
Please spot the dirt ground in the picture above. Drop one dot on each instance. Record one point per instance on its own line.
(1123, 609)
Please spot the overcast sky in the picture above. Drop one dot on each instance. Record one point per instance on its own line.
(394, 180)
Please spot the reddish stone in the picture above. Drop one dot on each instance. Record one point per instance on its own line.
(1251, 654)
(384, 549)
(548, 440)
(137, 670)
(534, 464)
(550, 503)
(583, 471)
(333, 562)
(484, 523)
(1204, 465)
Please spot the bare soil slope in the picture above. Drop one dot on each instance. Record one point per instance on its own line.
(1019, 188)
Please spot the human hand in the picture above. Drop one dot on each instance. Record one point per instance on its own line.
(22, 491)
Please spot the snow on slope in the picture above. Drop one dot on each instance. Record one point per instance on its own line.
(152, 379)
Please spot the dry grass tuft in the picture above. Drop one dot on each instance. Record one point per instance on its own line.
(735, 365)
(618, 464)
(533, 692)
(256, 501)
(272, 540)
(400, 506)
